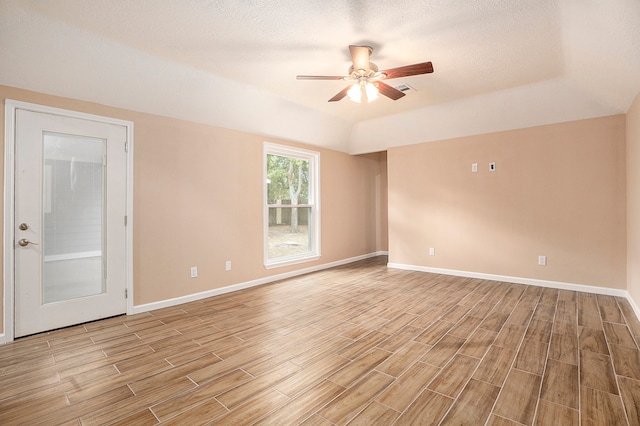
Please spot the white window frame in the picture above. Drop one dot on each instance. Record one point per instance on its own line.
(313, 157)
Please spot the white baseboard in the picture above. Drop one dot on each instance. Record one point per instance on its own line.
(635, 307)
(527, 281)
(515, 280)
(248, 284)
(3, 339)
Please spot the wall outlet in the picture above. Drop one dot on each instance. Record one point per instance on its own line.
(194, 272)
(542, 260)
(474, 167)
(227, 265)
(432, 251)
(492, 166)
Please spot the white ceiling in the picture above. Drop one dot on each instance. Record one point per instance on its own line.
(499, 64)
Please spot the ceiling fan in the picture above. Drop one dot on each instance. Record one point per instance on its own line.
(366, 79)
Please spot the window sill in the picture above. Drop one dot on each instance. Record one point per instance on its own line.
(291, 261)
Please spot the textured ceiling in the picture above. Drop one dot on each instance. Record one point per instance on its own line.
(498, 64)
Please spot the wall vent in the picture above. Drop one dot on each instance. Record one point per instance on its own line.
(405, 88)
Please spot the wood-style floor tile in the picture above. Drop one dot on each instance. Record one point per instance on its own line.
(403, 391)
(618, 334)
(474, 404)
(428, 409)
(376, 414)
(316, 420)
(238, 395)
(609, 311)
(434, 333)
(630, 317)
(351, 401)
(588, 312)
(593, 340)
(565, 323)
(520, 316)
(494, 321)
(626, 361)
(398, 322)
(311, 375)
(601, 408)
(597, 372)
(183, 402)
(304, 405)
(400, 338)
(495, 366)
(630, 391)
(359, 367)
(519, 397)
(478, 343)
(501, 421)
(38, 407)
(532, 356)
(144, 417)
(253, 409)
(360, 344)
(454, 376)
(443, 351)
(510, 336)
(465, 327)
(122, 409)
(564, 348)
(209, 410)
(560, 384)
(402, 359)
(539, 330)
(553, 414)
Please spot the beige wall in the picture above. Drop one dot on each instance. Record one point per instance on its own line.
(198, 202)
(633, 201)
(558, 191)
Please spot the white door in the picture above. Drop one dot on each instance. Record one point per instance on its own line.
(70, 206)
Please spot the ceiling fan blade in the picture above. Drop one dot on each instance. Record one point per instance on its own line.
(319, 77)
(340, 94)
(408, 70)
(390, 92)
(360, 57)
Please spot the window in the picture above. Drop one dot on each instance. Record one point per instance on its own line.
(291, 205)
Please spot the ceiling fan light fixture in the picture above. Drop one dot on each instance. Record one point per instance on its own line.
(372, 92)
(356, 92)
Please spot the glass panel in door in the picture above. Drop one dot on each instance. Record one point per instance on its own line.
(73, 211)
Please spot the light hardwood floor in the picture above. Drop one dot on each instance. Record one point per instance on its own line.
(359, 344)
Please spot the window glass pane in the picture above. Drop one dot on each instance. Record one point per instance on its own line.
(288, 180)
(289, 231)
(73, 199)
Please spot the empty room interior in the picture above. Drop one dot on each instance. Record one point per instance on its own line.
(320, 213)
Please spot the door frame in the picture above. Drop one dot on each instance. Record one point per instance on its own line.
(11, 106)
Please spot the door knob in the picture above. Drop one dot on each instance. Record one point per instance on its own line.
(24, 242)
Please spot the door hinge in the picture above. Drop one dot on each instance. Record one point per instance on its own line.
(126, 146)
(126, 293)
(125, 220)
